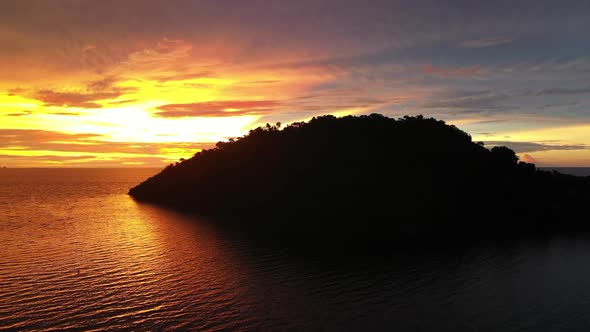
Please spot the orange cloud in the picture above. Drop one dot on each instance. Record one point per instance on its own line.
(181, 77)
(23, 113)
(73, 99)
(25, 147)
(121, 102)
(48, 158)
(86, 97)
(81, 99)
(41, 140)
(16, 91)
(65, 113)
(21, 136)
(217, 108)
(102, 84)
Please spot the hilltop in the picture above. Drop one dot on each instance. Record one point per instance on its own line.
(368, 174)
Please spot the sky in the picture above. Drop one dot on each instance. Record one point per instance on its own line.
(114, 83)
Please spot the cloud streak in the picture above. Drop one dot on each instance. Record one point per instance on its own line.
(39, 147)
(74, 99)
(23, 113)
(41, 140)
(217, 108)
(468, 102)
(529, 147)
(486, 42)
(453, 72)
(559, 91)
(89, 97)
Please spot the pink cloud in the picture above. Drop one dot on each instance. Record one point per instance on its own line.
(527, 158)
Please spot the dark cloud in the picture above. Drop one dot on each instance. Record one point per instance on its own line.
(453, 72)
(554, 105)
(469, 102)
(338, 96)
(217, 108)
(83, 33)
(558, 91)
(529, 147)
(493, 121)
(486, 42)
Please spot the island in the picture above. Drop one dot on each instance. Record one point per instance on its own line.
(369, 177)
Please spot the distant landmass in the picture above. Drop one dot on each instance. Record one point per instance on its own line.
(577, 171)
(371, 176)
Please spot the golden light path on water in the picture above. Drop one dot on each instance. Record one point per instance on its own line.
(81, 257)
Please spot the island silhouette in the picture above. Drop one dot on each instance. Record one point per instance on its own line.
(369, 177)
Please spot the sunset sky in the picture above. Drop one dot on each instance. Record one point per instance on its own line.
(144, 83)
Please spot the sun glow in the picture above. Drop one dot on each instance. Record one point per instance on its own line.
(114, 118)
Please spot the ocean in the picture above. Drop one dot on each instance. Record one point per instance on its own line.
(78, 253)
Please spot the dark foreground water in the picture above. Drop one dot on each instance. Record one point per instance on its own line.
(78, 253)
